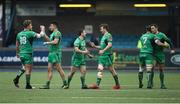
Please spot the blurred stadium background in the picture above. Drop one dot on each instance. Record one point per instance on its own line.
(126, 20)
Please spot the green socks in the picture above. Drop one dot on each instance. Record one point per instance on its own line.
(140, 76)
(161, 76)
(69, 80)
(82, 80)
(152, 77)
(20, 73)
(48, 83)
(149, 79)
(116, 80)
(98, 81)
(64, 82)
(28, 77)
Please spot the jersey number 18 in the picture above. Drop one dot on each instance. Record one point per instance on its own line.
(23, 40)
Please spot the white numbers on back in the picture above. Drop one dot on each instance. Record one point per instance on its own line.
(23, 40)
(144, 40)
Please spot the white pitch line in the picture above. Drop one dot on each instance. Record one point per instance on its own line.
(109, 97)
(123, 98)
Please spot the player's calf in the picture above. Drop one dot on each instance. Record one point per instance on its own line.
(115, 76)
(149, 76)
(140, 76)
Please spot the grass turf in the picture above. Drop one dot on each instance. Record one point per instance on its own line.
(130, 93)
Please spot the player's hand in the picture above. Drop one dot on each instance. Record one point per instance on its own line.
(42, 27)
(92, 44)
(166, 45)
(172, 51)
(90, 55)
(101, 52)
(86, 52)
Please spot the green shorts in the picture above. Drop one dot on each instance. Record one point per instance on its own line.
(26, 58)
(54, 57)
(146, 59)
(106, 60)
(78, 62)
(159, 58)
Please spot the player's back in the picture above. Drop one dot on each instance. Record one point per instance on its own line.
(25, 39)
(147, 41)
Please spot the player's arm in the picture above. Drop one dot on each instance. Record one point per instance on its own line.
(55, 41)
(169, 42)
(76, 48)
(42, 32)
(46, 38)
(159, 43)
(109, 45)
(17, 49)
(171, 45)
(89, 54)
(80, 51)
(94, 46)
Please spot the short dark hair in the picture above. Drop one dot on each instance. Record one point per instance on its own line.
(105, 26)
(80, 31)
(55, 23)
(148, 28)
(155, 25)
(26, 23)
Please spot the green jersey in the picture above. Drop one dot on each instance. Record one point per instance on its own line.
(162, 37)
(25, 39)
(55, 47)
(147, 41)
(107, 37)
(81, 44)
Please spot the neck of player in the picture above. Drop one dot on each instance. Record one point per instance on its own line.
(81, 37)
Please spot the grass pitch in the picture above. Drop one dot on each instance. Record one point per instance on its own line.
(130, 93)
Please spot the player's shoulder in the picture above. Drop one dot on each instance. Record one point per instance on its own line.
(77, 40)
(109, 34)
(21, 33)
(144, 35)
(161, 33)
(151, 35)
(57, 32)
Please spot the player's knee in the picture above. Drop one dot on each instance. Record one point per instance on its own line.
(83, 72)
(112, 70)
(49, 70)
(161, 67)
(72, 73)
(149, 67)
(100, 67)
(100, 74)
